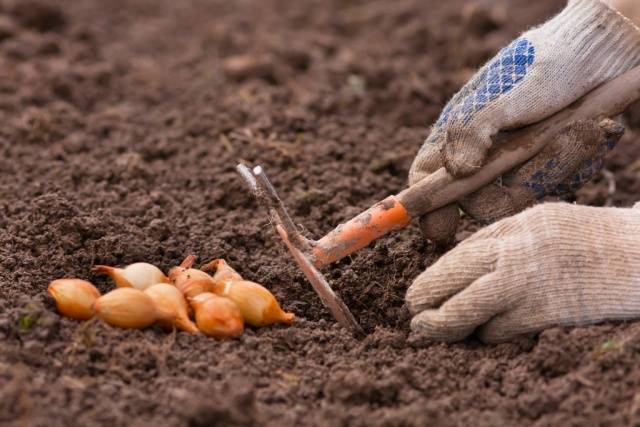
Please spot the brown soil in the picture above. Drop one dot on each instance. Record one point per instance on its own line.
(122, 122)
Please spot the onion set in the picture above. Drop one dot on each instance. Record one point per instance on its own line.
(258, 306)
(172, 309)
(140, 275)
(217, 316)
(74, 297)
(127, 308)
(189, 299)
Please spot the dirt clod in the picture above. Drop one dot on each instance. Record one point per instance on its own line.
(243, 67)
(122, 122)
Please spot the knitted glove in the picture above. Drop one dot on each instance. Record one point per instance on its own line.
(540, 73)
(554, 264)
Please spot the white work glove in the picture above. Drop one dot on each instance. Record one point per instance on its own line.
(539, 74)
(554, 264)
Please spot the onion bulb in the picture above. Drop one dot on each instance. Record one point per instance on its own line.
(127, 308)
(172, 309)
(190, 281)
(74, 297)
(140, 275)
(258, 306)
(217, 316)
(223, 272)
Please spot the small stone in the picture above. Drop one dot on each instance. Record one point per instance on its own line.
(481, 19)
(7, 28)
(39, 16)
(242, 67)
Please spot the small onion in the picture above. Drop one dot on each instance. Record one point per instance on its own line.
(74, 297)
(126, 308)
(140, 275)
(172, 308)
(217, 316)
(258, 306)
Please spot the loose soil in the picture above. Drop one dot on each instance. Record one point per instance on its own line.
(122, 122)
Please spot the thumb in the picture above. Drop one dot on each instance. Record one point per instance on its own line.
(465, 149)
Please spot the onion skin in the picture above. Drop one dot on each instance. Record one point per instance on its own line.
(179, 276)
(223, 272)
(139, 275)
(74, 297)
(217, 317)
(126, 308)
(194, 287)
(172, 309)
(258, 306)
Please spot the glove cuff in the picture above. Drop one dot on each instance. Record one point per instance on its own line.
(604, 41)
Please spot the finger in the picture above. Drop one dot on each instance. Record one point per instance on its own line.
(439, 226)
(549, 173)
(464, 150)
(428, 159)
(565, 164)
(505, 327)
(451, 274)
(464, 312)
(613, 131)
(489, 204)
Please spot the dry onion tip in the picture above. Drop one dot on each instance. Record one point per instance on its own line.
(223, 272)
(190, 281)
(127, 308)
(140, 275)
(74, 297)
(217, 316)
(172, 309)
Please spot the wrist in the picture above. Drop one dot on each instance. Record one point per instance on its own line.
(628, 8)
(598, 36)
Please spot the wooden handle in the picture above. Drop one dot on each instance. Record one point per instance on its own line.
(514, 148)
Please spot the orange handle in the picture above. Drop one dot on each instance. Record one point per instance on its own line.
(380, 219)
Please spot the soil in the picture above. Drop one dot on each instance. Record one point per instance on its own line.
(122, 122)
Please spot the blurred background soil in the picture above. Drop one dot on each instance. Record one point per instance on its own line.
(122, 122)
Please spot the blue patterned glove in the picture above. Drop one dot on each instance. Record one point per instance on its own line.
(537, 75)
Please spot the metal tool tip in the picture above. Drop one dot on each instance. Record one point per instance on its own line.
(248, 177)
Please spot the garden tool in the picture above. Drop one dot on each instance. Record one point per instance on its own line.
(511, 148)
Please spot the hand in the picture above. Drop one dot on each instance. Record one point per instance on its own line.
(555, 264)
(537, 75)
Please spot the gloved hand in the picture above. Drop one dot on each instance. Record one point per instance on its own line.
(554, 264)
(537, 75)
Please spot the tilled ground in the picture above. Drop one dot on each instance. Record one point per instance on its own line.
(122, 122)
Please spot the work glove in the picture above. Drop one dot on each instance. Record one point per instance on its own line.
(554, 264)
(539, 74)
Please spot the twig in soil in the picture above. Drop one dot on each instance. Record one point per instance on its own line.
(610, 179)
(226, 143)
(161, 356)
(84, 336)
(583, 381)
